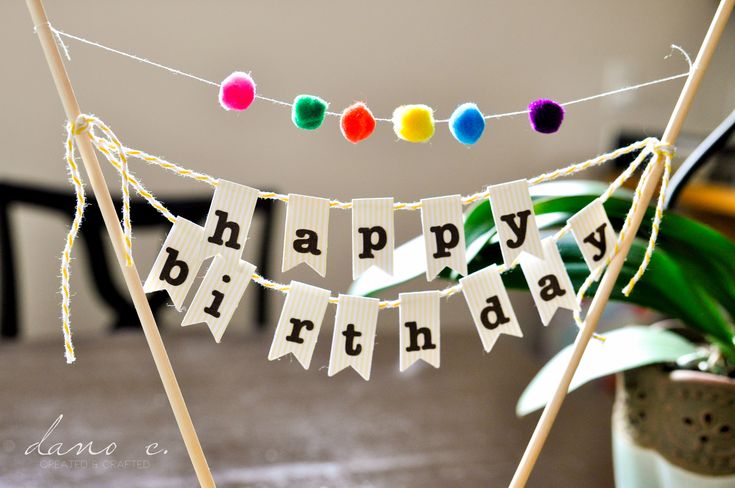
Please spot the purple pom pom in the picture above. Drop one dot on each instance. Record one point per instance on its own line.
(546, 116)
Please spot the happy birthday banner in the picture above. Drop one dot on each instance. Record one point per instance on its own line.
(223, 237)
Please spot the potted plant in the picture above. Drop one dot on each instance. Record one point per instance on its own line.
(674, 416)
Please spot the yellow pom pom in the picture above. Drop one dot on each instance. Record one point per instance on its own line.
(413, 123)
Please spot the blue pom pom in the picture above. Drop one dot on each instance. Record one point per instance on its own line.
(467, 123)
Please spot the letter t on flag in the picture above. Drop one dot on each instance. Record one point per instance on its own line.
(354, 335)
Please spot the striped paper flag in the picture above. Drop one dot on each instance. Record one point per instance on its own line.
(594, 234)
(373, 235)
(490, 306)
(307, 232)
(515, 220)
(299, 324)
(420, 329)
(229, 218)
(219, 294)
(178, 262)
(441, 220)
(353, 339)
(548, 281)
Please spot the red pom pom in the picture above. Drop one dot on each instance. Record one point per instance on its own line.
(357, 123)
(237, 91)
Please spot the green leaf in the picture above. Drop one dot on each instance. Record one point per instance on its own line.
(627, 348)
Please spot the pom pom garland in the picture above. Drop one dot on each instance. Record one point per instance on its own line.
(545, 115)
(467, 123)
(413, 123)
(357, 122)
(237, 91)
(308, 112)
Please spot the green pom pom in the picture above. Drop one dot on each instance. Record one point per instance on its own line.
(308, 112)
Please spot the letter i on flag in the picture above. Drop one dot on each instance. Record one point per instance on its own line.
(373, 235)
(178, 261)
(306, 234)
(515, 220)
(490, 306)
(301, 319)
(229, 218)
(594, 234)
(441, 219)
(219, 294)
(548, 281)
(354, 335)
(419, 337)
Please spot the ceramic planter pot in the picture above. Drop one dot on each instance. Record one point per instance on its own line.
(673, 429)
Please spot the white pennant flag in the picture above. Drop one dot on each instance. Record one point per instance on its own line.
(373, 235)
(353, 339)
(178, 262)
(441, 220)
(229, 218)
(419, 334)
(515, 220)
(594, 234)
(299, 324)
(306, 234)
(490, 306)
(548, 281)
(219, 294)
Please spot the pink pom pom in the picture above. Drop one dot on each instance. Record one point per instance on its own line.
(237, 91)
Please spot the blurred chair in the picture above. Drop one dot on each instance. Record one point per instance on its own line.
(100, 262)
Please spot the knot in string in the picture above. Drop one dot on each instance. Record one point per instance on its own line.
(80, 125)
(664, 149)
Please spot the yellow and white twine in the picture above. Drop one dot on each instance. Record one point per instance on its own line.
(117, 155)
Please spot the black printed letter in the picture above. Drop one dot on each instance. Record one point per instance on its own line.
(222, 225)
(298, 324)
(350, 333)
(168, 267)
(442, 245)
(600, 243)
(368, 246)
(493, 307)
(308, 242)
(414, 331)
(519, 230)
(213, 309)
(550, 288)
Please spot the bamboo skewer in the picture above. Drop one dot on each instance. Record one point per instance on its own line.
(540, 434)
(130, 273)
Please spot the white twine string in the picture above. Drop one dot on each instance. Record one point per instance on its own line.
(115, 153)
(60, 34)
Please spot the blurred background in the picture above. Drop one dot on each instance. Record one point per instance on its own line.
(500, 55)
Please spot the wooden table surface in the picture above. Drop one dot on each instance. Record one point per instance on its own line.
(266, 424)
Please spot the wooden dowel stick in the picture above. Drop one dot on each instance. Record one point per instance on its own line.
(600, 299)
(130, 273)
